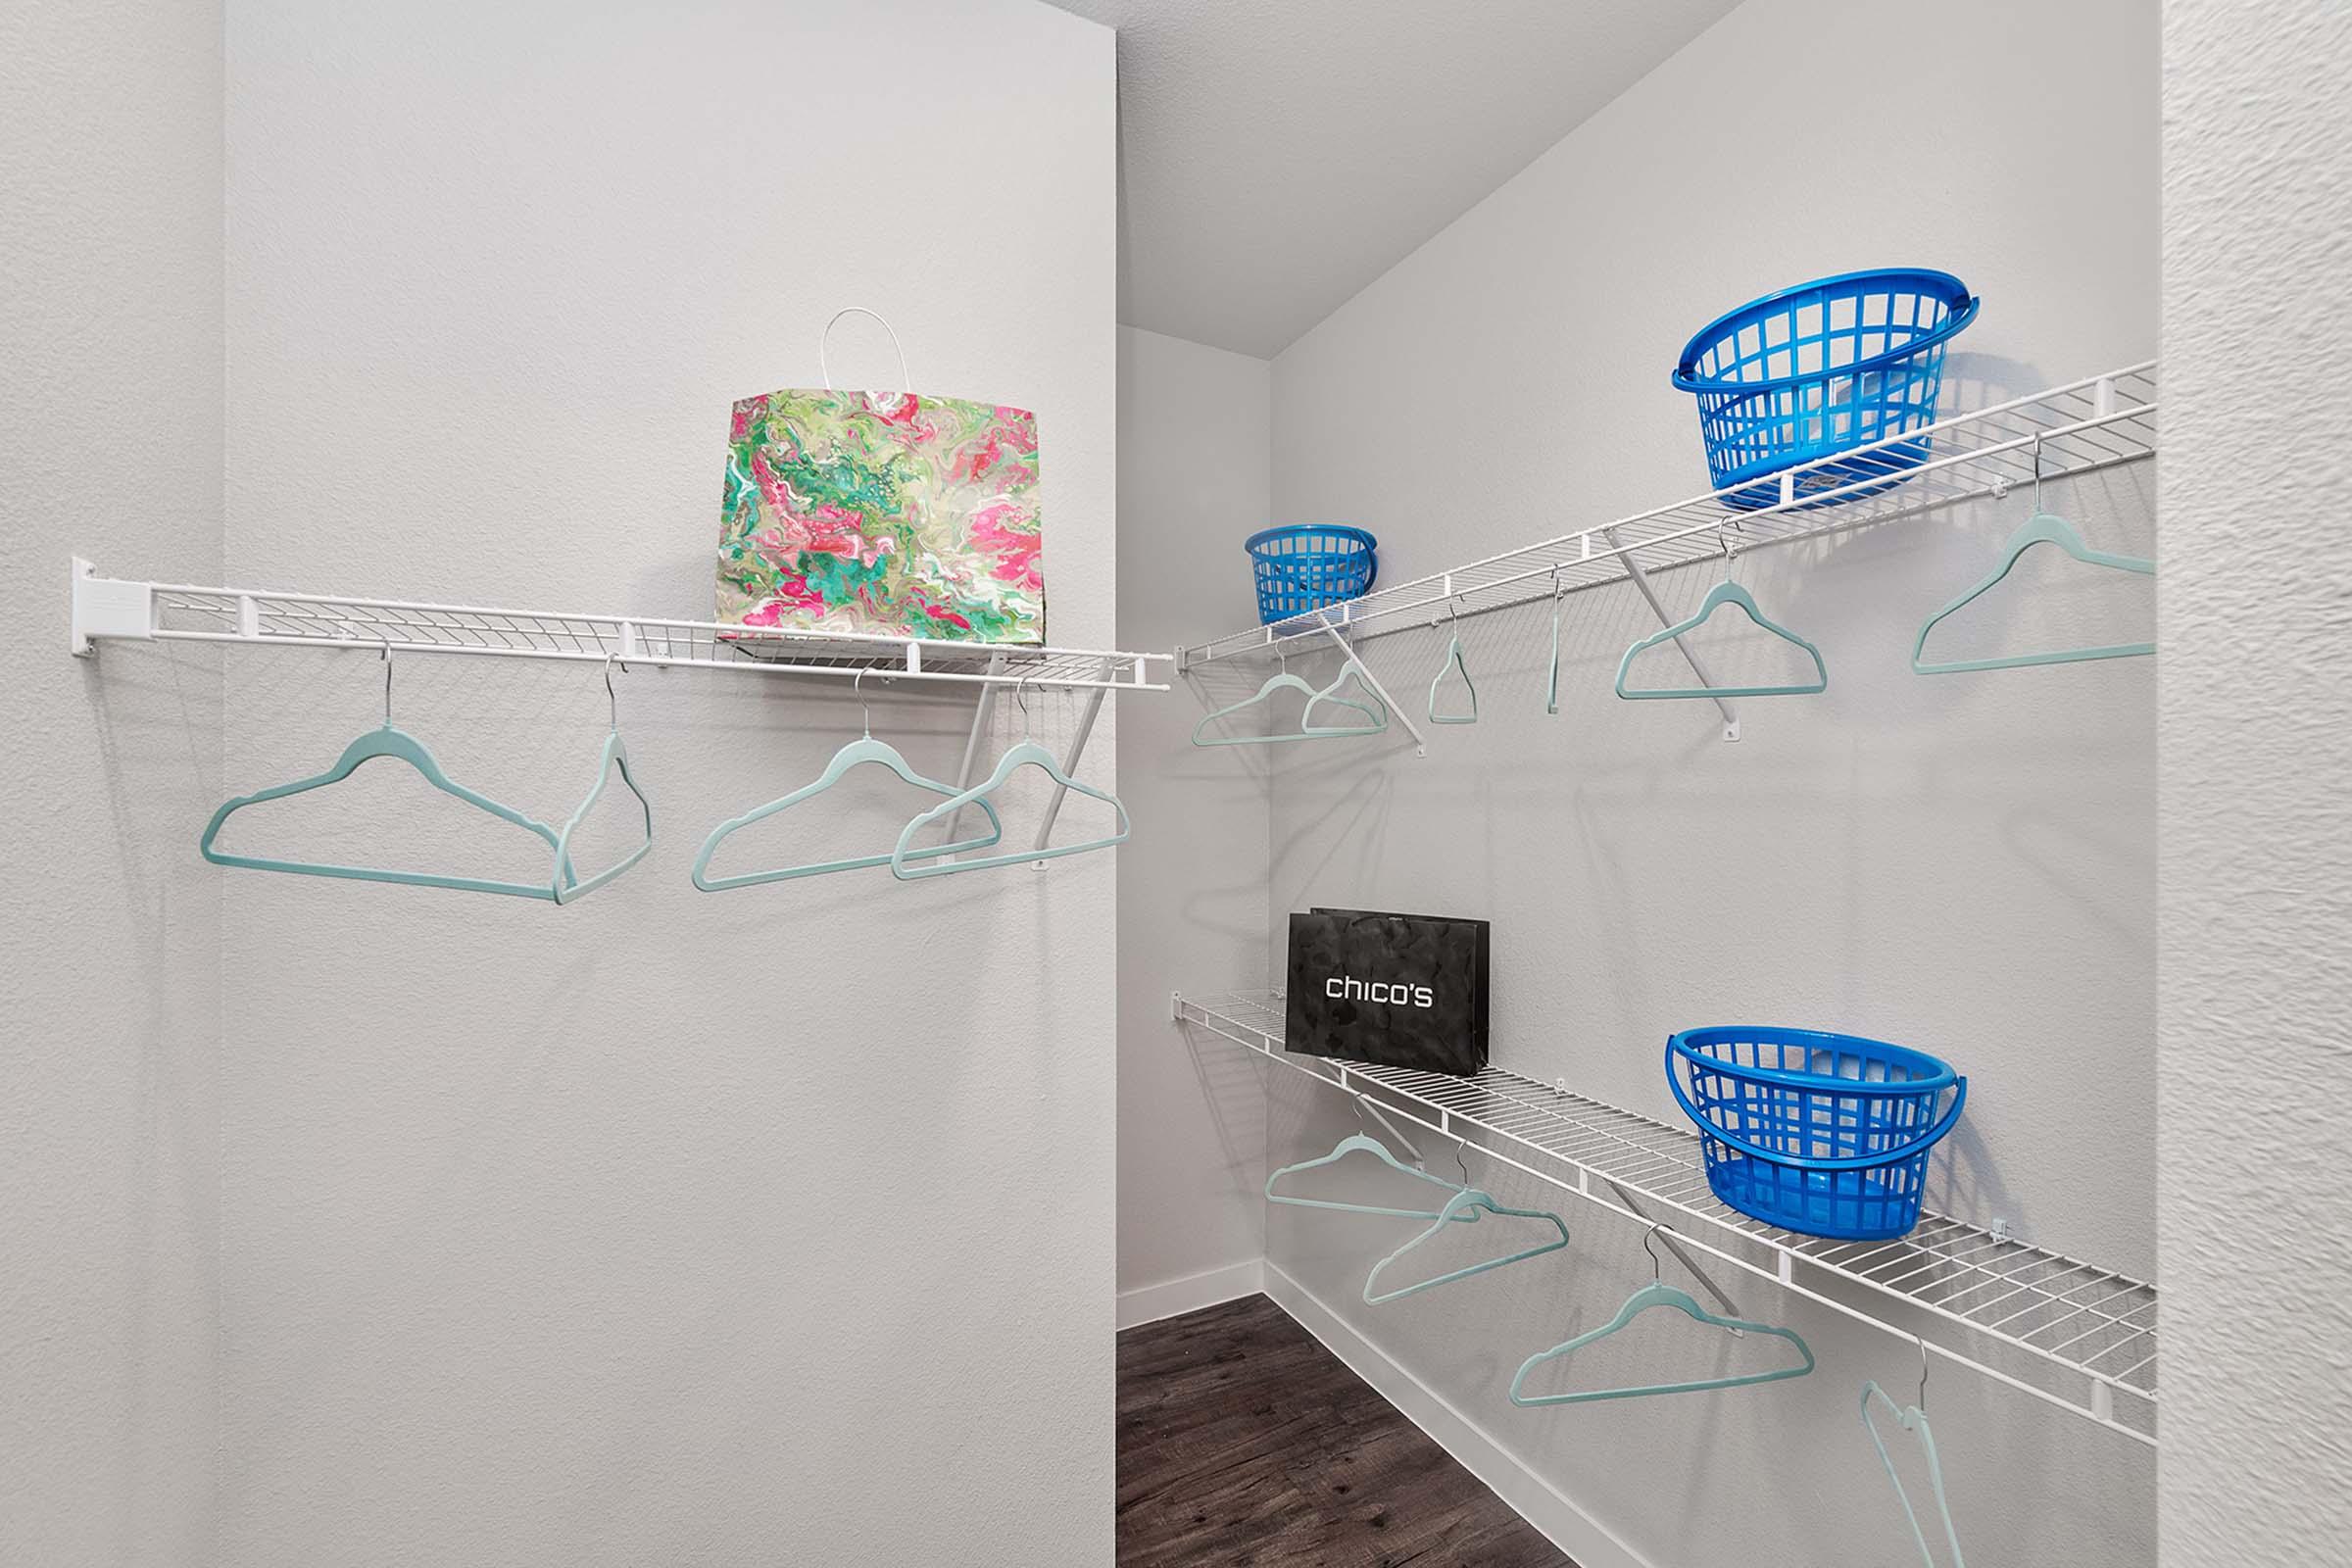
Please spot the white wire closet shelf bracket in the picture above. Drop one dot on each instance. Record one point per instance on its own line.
(108, 609)
(2070, 1333)
(2083, 426)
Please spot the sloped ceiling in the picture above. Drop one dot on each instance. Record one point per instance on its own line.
(1278, 155)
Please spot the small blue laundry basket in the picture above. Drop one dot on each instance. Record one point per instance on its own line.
(1822, 368)
(1306, 568)
(1820, 1133)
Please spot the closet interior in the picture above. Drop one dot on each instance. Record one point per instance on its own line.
(1689, 1051)
(1398, 805)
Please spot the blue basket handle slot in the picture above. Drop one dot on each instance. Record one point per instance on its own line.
(1927, 1140)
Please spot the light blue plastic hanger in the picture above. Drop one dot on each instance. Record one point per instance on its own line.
(1453, 661)
(1467, 1200)
(1358, 1142)
(1551, 692)
(1028, 754)
(615, 758)
(866, 749)
(2041, 528)
(1658, 1293)
(1376, 716)
(1914, 1421)
(1725, 592)
(397, 744)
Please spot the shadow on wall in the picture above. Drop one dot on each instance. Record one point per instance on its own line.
(1233, 1084)
(154, 713)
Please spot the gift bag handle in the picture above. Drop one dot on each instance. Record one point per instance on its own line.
(860, 309)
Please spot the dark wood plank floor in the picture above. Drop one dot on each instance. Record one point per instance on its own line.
(1242, 1441)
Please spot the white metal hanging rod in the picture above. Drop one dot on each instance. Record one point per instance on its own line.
(2081, 428)
(107, 608)
(2078, 1323)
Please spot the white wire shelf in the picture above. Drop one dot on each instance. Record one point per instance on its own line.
(108, 609)
(2097, 422)
(2077, 1336)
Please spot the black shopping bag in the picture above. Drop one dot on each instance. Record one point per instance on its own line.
(1397, 990)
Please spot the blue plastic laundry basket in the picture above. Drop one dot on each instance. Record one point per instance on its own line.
(1820, 1133)
(1822, 368)
(1306, 568)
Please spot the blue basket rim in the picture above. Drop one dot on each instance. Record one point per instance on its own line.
(1938, 1076)
(1295, 529)
(1963, 306)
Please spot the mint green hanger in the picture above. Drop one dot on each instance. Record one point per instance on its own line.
(1915, 1422)
(1453, 661)
(1376, 718)
(1551, 692)
(866, 749)
(2043, 528)
(1725, 592)
(1358, 1142)
(1658, 1293)
(406, 748)
(615, 758)
(1469, 1197)
(1028, 754)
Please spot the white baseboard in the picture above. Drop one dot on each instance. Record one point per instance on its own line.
(1149, 1304)
(1567, 1526)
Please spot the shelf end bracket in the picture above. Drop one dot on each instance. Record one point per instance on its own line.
(107, 606)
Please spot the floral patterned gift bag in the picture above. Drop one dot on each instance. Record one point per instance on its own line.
(882, 511)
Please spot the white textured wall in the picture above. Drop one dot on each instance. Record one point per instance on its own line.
(1965, 866)
(1194, 475)
(2254, 819)
(773, 1226)
(110, 447)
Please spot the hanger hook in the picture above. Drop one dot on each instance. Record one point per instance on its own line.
(612, 699)
(1657, 1269)
(387, 660)
(857, 690)
(1461, 1148)
(1020, 698)
(2038, 470)
(1556, 583)
(1923, 1373)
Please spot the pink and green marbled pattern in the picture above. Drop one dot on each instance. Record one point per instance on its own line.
(883, 512)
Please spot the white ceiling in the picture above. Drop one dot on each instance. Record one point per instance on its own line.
(1278, 155)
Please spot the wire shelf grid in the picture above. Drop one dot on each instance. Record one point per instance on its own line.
(2082, 1338)
(2087, 425)
(105, 608)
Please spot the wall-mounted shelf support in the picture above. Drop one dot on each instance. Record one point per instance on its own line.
(1070, 763)
(2069, 1332)
(109, 609)
(105, 608)
(984, 711)
(2081, 428)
